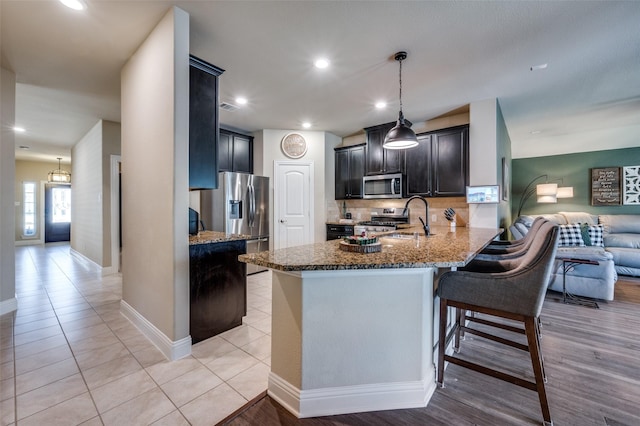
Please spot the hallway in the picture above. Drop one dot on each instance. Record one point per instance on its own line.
(68, 357)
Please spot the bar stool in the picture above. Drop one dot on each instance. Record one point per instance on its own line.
(517, 294)
(505, 247)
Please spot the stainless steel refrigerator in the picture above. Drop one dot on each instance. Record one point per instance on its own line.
(240, 205)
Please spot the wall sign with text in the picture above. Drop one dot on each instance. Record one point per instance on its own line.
(605, 186)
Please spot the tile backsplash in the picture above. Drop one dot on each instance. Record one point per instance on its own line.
(360, 209)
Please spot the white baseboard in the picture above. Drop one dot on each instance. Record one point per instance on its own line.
(106, 270)
(172, 350)
(8, 305)
(351, 399)
(28, 242)
(109, 270)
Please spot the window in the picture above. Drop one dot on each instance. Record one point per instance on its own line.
(61, 205)
(29, 209)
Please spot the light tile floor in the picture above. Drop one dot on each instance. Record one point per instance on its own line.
(68, 357)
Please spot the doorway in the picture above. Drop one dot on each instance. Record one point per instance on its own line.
(116, 215)
(293, 203)
(57, 212)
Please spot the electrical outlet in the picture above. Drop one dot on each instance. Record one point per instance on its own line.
(434, 218)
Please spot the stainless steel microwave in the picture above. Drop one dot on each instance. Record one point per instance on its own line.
(382, 186)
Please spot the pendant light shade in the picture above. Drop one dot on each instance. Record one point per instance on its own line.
(401, 136)
(59, 175)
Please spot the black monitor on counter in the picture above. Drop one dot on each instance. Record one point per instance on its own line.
(485, 194)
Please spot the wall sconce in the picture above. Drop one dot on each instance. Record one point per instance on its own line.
(546, 192)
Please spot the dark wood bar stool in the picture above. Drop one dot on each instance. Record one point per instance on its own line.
(517, 294)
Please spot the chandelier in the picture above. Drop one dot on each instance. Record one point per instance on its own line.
(59, 175)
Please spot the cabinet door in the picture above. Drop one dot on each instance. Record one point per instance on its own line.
(375, 152)
(342, 174)
(380, 160)
(392, 160)
(242, 154)
(450, 162)
(225, 150)
(418, 168)
(356, 171)
(203, 124)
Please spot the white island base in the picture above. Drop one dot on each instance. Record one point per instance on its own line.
(347, 341)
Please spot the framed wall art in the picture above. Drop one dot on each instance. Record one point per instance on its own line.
(605, 186)
(631, 181)
(294, 145)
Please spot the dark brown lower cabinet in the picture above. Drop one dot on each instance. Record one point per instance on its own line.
(218, 288)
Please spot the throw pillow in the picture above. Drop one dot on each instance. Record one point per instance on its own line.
(584, 230)
(596, 235)
(570, 236)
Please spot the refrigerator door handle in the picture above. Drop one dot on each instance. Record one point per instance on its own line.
(252, 205)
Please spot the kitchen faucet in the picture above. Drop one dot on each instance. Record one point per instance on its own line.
(426, 212)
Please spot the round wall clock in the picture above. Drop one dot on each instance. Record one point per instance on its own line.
(294, 145)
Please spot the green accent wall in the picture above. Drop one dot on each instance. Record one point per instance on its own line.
(575, 171)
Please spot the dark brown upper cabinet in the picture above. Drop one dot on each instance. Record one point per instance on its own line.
(439, 165)
(235, 152)
(379, 160)
(349, 171)
(203, 124)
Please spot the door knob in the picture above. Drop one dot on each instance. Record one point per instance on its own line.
(283, 221)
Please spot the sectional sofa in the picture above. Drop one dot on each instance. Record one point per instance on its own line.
(611, 240)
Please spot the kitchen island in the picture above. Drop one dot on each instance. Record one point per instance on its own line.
(218, 283)
(356, 332)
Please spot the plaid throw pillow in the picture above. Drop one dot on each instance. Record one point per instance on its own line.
(596, 235)
(570, 236)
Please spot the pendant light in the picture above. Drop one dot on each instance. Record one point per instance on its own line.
(401, 136)
(59, 175)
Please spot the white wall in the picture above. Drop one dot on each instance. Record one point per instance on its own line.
(91, 191)
(155, 188)
(8, 300)
(267, 150)
(483, 159)
(87, 196)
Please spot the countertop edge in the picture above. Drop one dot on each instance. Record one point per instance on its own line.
(213, 237)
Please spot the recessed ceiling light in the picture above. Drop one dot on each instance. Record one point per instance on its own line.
(538, 67)
(321, 63)
(241, 100)
(74, 4)
(306, 124)
(18, 129)
(381, 104)
(535, 132)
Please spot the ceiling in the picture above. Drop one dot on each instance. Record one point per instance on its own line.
(68, 63)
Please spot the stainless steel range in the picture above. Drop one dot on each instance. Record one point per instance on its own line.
(383, 219)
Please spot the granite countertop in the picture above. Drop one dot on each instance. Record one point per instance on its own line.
(208, 237)
(445, 248)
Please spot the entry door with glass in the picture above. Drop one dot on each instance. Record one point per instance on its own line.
(57, 213)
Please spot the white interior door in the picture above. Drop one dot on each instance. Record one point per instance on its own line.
(293, 203)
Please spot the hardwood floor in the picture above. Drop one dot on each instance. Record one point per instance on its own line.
(592, 360)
